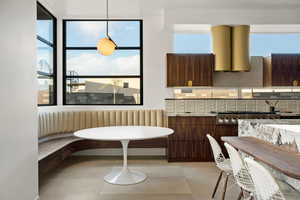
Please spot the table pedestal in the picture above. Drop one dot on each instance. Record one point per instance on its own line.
(125, 176)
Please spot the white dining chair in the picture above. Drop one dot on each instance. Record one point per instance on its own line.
(240, 173)
(266, 186)
(222, 163)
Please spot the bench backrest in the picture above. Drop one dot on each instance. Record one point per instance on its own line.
(55, 122)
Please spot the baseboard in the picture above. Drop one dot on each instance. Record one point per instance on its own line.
(118, 152)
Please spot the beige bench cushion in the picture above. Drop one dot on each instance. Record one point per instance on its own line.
(49, 147)
(51, 123)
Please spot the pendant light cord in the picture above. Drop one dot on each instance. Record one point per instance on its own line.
(107, 18)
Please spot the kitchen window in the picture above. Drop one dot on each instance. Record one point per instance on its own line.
(264, 44)
(93, 79)
(192, 43)
(46, 56)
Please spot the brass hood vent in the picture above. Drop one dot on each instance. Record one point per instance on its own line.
(231, 47)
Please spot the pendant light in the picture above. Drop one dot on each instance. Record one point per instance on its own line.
(106, 46)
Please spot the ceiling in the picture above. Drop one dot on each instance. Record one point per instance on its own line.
(175, 4)
(185, 11)
(156, 5)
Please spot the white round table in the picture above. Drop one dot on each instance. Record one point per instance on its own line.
(124, 134)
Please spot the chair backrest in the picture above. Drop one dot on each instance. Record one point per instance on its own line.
(217, 151)
(265, 185)
(240, 171)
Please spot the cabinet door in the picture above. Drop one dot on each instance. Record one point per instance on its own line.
(191, 128)
(225, 130)
(189, 142)
(285, 69)
(197, 68)
(188, 151)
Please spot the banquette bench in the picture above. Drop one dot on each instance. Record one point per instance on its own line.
(55, 131)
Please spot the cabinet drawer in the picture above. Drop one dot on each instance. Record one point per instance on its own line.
(191, 132)
(191, 120)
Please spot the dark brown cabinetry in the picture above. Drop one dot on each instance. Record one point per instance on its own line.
(190, 69)
(282, 70)
(189, 142)
(225, 130)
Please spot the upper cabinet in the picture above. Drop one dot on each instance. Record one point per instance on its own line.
(189, 70)
(282, 70)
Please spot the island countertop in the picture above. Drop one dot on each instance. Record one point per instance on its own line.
(284, 133)
(276, 131)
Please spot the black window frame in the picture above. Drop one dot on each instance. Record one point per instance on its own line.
(54, 46)
(65, 48)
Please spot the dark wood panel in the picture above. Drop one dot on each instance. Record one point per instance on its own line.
(191, 128)
(189, 151)
(189, 142)
(285, 161)
(191, 120)
(285, 69)
(197, 68)
(225, 130)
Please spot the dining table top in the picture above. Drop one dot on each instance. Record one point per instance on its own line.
(279, 158)
(119, 133)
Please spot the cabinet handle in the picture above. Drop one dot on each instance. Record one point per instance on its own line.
(190, 83)
(295, 82)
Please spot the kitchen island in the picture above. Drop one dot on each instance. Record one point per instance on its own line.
(284, 133)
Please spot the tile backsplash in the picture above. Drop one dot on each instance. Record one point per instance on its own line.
(220, 105)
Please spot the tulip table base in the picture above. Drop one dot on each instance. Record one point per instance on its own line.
(125, 176)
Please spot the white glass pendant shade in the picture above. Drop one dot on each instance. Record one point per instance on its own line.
(106, 46)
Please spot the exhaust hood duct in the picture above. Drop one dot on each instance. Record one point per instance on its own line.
(221, 43)
(240, 48)
(231, 47)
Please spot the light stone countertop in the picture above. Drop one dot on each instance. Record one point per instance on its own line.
(280, 132)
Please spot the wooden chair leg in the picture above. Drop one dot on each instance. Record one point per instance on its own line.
(225, 187)
(240, 195)
(217, 184)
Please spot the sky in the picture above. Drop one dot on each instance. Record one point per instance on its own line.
(90, 62)
(260, 44)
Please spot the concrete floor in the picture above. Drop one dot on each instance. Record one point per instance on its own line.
(81, 178)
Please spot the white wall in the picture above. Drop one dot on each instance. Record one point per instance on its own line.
(18, 86)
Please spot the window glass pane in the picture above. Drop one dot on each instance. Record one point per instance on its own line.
(45, 29)
(44, 24)
(44, 58)
(88, 33)
(45, 93)
(103, 91)
(89, 62)
(265, 44)
(192, 43)
(84, 33)
(125, 33)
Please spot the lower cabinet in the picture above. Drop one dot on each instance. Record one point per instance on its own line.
(189, 142)
(188, 151)
(225, 130)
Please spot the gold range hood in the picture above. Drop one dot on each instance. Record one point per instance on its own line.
(231, 47)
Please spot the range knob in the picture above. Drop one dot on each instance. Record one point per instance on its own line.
(220, 121)
(226, 121)
(234, 121)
